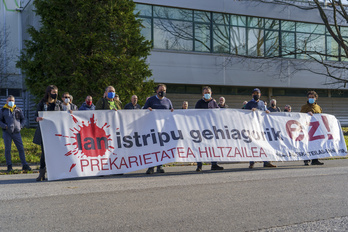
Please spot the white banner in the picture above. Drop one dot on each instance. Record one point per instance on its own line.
(92, 143)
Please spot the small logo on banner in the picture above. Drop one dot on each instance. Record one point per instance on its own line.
(89, 139)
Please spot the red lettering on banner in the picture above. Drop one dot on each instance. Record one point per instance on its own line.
(291, 130)
(237, 152)
(104, 163)
(171, 150)
(326, 123)
(113, 163)
(146, 158)
(202, 152)
(133, 161)
(165, 156)
(180, 152)
(228, 154)
(253, 152)
(123, 162)
(94, 164)
(190, 152)
(84, 163)
(262, 152)
(314, 127)
(155, 153)
(245, 153)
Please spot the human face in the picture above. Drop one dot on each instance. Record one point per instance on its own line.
(89, 98)
(222, 101)
(185, 105)
(10, 99)
(134, 100)
(66, 96)
(207, 91)
(256, 93)
(312, 96)
(54, 91)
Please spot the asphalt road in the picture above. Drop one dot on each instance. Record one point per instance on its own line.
(291, 197)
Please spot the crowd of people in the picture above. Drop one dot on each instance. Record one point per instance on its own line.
(12, 119)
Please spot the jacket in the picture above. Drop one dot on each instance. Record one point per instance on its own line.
(103, 104)
(84, 106)
(14, 121)
(314, 108)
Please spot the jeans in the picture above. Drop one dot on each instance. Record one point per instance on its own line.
(17, 139)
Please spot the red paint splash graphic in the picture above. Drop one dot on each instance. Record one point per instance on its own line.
(89, 139)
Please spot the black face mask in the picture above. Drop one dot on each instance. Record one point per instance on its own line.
(162, 94)
(273, 105)
(54, 96)
(256, 97)
(286, 110)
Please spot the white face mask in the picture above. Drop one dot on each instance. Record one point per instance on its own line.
(67, 100)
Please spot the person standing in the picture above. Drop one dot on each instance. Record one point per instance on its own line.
(312, 108)
(88, 104)
(66, 104)
(108, 102)
(222, 103)
(159, 101)
(184, 105)
(257, 104)
(133, 105)
(48, 103)
(287, 108)
(12, 121)
(274, 107)
(207, 102)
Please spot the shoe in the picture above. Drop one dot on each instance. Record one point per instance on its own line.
(150, 171)
(269, 165)
(216, 167)
(41, 176)
(26, 167)
(160, 170)
(9, 168)
(199, 169)
(306, 162)
(317, 162)
(251, 166)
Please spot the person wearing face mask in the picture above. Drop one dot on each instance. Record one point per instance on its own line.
(312, 108)
(207, 102)
(67, 105)
(12, 121)
(48, 103)
(158, 102)
(88, 104)
(287, 108)
(274, 107)
(108, 102)
(257, 104)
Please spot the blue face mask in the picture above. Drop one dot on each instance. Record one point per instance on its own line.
(207, 96)
(111, 95)
(10, 104)
(311, 100)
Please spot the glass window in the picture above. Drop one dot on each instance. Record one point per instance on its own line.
(271, 43)
(237, 20)
(255, 22)
(344, 31)
(220, 39)
(175, 88)
(202, 16)
(172, 13)
(3, 92)
(238, 40)
(339, 93)
(146, 29)
(288, 44)
(309, 45)
(272, 24)
(202, 37)
(229, 90)
(331, 49)
(288, 26)
(173, 35)
(221, 19)
(255, 42)
(193, 89)
(144, 10)
(310, 28)
(15, 92)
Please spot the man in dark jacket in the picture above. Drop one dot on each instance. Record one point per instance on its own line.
(207, 102)
(12, 121)
(88, 104)
(133, 105)
(108, 102)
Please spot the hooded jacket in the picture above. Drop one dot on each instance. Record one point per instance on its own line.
(12, 119)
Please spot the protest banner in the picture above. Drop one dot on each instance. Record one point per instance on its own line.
(92, 143)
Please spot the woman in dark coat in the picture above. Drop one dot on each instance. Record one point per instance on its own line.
(48, 103)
